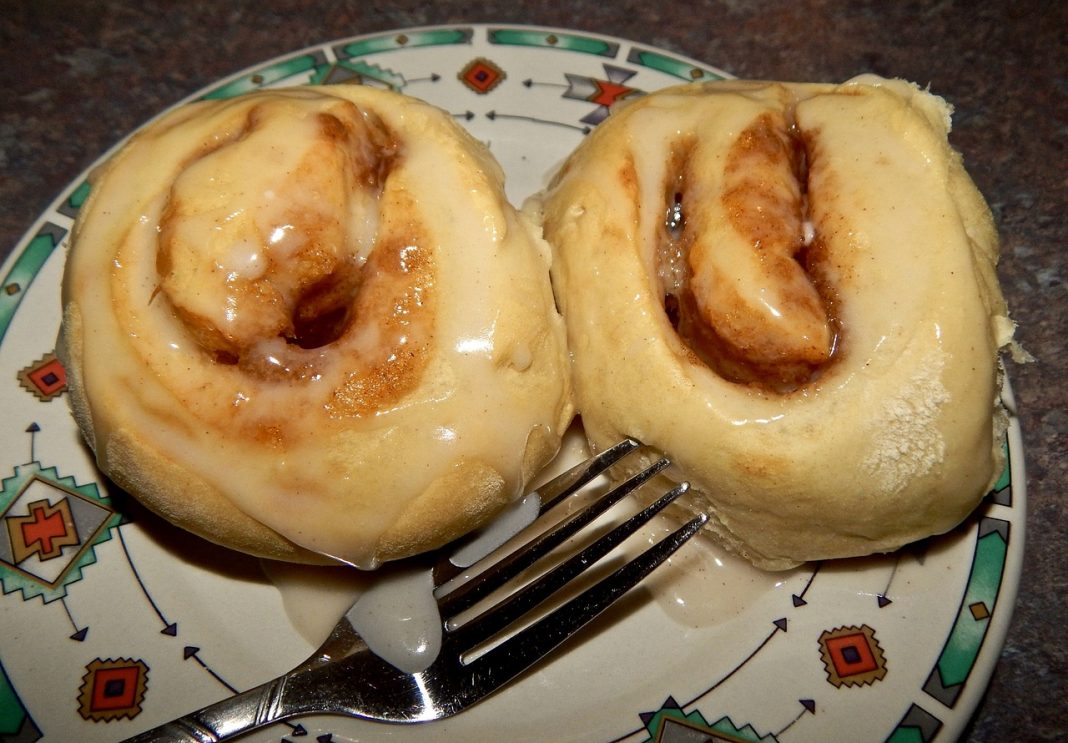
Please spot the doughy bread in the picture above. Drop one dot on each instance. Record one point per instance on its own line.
(790, 290)
(307, 324)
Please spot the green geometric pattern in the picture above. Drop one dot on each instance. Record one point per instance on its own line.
(266, 75)
(14, 579)
(326, 72)
(966, 638)
(25, 270)
(553, 40)
(722, 731)
(14, 720)
(670, 65)
(406, 40)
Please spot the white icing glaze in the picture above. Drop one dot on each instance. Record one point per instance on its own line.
(306, 444)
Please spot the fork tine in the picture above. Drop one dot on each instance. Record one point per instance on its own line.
(549, 494)
(516, 654)
(553, 492)
(511, 565)
(530, 596)
(578, 476)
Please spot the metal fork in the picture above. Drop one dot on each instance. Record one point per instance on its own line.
(344, 677)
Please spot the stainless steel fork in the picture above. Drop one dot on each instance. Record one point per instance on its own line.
(344, 677)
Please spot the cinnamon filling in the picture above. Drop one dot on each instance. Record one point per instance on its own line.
(762, 315)
(324, 310)
(254, 252)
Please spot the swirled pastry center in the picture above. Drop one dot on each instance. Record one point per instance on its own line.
(292, 258)
(252, 251)
(743, 290)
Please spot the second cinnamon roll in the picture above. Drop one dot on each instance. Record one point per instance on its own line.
(790, 290)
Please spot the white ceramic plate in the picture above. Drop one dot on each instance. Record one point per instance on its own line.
(112, 623)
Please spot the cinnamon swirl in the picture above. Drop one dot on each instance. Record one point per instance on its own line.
(790, 290)
(306, 323)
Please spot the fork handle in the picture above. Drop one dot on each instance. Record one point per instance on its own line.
(224, 719)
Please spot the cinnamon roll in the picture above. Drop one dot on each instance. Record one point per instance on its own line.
(790, 290)
(306, 324)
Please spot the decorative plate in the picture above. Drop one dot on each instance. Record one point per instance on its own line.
(110, 627)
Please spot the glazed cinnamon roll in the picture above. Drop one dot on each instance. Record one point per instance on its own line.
(307, 324)
(790, 290)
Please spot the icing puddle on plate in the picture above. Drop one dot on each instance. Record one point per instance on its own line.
(398, 618)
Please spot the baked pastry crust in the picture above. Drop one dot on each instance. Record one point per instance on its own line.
(306, 324)
(790, 290)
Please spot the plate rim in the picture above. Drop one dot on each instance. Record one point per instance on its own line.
(995, 637)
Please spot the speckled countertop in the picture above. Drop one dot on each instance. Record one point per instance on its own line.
(76, 76)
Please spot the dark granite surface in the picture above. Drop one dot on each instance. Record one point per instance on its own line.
(76, 76)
